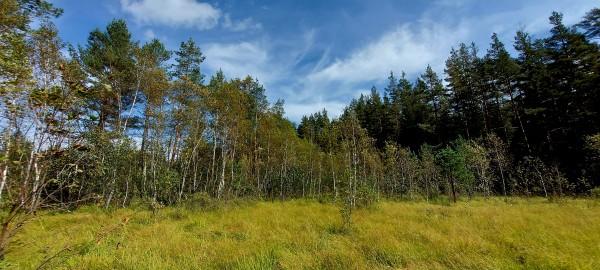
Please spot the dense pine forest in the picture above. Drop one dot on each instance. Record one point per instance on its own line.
(116, 121)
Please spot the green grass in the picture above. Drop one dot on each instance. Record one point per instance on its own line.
(477, 234)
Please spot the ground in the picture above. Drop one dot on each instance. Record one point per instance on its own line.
(482, 233)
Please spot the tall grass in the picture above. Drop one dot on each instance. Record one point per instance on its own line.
(477, 234)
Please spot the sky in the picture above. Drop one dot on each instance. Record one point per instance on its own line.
(318, 54)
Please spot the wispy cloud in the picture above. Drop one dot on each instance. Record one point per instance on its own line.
(239, 26)
(273, 62)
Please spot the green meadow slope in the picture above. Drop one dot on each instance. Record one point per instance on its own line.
(477, 234)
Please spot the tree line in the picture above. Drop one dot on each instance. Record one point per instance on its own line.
(496, 123)
(115, 121)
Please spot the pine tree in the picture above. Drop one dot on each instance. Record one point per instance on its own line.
(108, 58)
(437, 99)
(468, 97)
(500, 78)
(591, 24)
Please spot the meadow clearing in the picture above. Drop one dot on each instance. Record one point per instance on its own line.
(299, 234)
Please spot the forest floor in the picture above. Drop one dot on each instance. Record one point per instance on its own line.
(300, 234)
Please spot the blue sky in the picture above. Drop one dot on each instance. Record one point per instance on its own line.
(319, 54)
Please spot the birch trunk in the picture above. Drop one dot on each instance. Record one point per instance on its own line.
(5, 167)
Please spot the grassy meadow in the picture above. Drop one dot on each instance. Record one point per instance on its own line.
(476, 234)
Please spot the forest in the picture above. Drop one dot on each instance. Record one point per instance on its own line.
(116, 122)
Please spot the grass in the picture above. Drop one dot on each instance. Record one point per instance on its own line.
(477, 234)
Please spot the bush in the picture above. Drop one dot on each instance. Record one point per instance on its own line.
(346, 214)
(595, 192)
(177, 214)
(137, 203)
(201, 201)
(534, 177)
(454, 167)
(365, 197)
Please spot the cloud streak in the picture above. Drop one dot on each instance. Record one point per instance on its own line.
(406, 48)
(239, 26)
(175, 13)
(185, 13)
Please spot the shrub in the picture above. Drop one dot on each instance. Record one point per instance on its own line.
(177, 214)
(454, 167)
(534, 177)
(365, 197)
(346, 213)
(201, 201)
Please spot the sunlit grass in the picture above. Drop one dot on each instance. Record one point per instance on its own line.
(477, 234)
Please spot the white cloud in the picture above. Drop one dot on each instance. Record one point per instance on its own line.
(185, 13)
(239, 59)
(239, 26)
(405, 48)
(271, 61)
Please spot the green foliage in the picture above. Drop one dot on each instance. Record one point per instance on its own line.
(478, 163)
(453, 164)
(593, 143)
(536, 178)
(346, 209)
(188, 58)
(201, 201)
(15, 29)
(109, 58)
(591, 23)
(366, 197)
